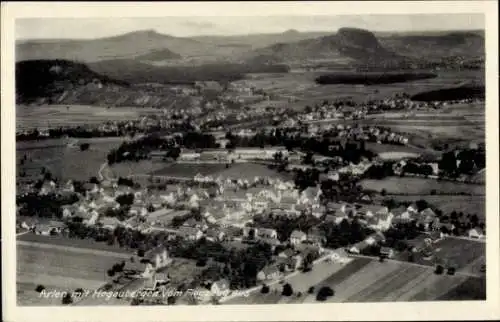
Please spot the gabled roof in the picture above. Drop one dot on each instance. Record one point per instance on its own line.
(222, 284)
(297, 234)
(270, 270)
(428, 212)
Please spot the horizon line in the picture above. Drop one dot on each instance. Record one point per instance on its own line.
(248, 34)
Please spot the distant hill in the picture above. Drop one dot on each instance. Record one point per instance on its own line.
(468, 44)
(158, 55)
(347, 46)
(45, 78)
(254, 41)
(127, 46)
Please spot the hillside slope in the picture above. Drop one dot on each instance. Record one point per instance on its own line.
(46, 78)
(467, 44)
(347, 46)
(66, 82)
(127, 46)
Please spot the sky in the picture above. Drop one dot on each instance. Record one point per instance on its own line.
(87, 28)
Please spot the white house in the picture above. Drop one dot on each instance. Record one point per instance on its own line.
(297, 237)
(476, 233)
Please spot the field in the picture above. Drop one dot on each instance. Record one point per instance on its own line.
(465, 255)
(190, 170)
(421, 186)
(366, 280)
(58, 269)
(81, 244)
(62, 161)
(447, 204)
(472, 289)
(235, 171)
(28, 117)
(303, 87)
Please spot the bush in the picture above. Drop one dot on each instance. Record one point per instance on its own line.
(439, 270)
(310, 290)
(171, 300)
(67, 299)
(140, 253)
(451, 271)
(287, 290)
(201, 262)
(39, 288)
(264, 289)
(84, 146)
(324, 293)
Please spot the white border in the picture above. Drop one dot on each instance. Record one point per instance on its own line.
(303, 312)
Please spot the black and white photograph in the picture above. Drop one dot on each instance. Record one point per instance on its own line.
(240, 159)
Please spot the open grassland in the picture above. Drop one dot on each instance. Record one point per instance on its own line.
(190, 170)
(249, 171)
(58, 269)
(62, 161)
(29, 117)
(84, 245)
(301, 85)
(421, 186)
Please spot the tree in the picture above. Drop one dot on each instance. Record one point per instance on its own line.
(94, 180)
(39, 288)
(310, 290)
(264, 289)
(84, 146)
(451, 270)
(287, 290)
(111, 272)
(67, 299)
(171, 300)
(324, 293)
(78, 292)
(383, 192)
(439, 270)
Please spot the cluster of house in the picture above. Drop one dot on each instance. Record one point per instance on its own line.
(240, 154)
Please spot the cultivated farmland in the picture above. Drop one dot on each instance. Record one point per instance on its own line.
(58, 269)
(367, 280)
(421, 186)
(29, 117)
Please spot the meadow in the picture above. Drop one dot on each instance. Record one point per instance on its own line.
(302, 86)
(29, 117)
(421, 186)
(62, 161)
(58, 269)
